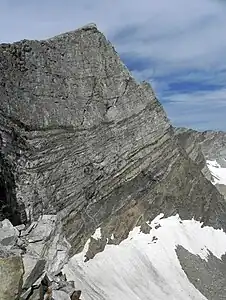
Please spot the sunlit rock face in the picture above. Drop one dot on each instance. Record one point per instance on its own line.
(80, 139)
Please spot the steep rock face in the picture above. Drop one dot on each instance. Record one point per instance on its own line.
(83, 139)
(191, 143)
(211, 143)
(204, 146)
(11, 147)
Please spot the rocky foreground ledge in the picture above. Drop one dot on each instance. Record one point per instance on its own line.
(31, 259)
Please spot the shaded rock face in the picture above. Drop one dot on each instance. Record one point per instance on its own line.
(207, 276)
(83, 139)
(202, 146)
(211, 143)
(191, 143)
(9, 206)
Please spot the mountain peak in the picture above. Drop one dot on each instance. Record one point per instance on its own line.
(91, 149)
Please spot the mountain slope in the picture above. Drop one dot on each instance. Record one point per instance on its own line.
(157, 265)
(208, 149)
(82, 139)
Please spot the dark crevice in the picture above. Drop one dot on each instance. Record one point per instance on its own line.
(9, 207)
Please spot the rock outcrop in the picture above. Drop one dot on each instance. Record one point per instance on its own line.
(81, 139)
(207, 144)
(203, 146)
(11, 272)
(31, 260)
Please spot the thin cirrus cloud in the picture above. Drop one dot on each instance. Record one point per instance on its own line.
(208, 107)
(178, 45)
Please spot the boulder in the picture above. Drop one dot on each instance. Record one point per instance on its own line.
(35, 274)
(76, 295)
(11, 276)
(60, 295)
(8, 234)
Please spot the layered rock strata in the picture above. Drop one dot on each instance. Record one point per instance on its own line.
(81, 139)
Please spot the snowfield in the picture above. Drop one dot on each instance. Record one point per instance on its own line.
(145, 266)
(218, 173)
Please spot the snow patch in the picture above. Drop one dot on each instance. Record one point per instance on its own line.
(218, 173)
(157, 220)
(141, 267)
(97, 234)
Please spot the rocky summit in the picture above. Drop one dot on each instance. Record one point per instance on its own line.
(94, 180)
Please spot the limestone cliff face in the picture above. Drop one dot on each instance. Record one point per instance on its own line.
(81, 138)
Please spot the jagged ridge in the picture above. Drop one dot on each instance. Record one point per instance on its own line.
(204, 146)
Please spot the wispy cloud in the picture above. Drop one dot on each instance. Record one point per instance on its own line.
(197, 109)
(178, 45)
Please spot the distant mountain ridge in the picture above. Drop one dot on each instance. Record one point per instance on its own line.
(204, 147)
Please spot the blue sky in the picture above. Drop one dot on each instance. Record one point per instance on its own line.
(177, 45)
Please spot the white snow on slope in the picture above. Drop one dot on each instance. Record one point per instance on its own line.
(218, 173)
(97, 234)
(142, 268)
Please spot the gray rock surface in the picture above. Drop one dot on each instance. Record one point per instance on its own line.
(31, 262)
(60, 295)
(11, 272)
(8, 234)
(209, 277)
(46, 249)
(202, 146)
(82, 139)
(211, 143)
